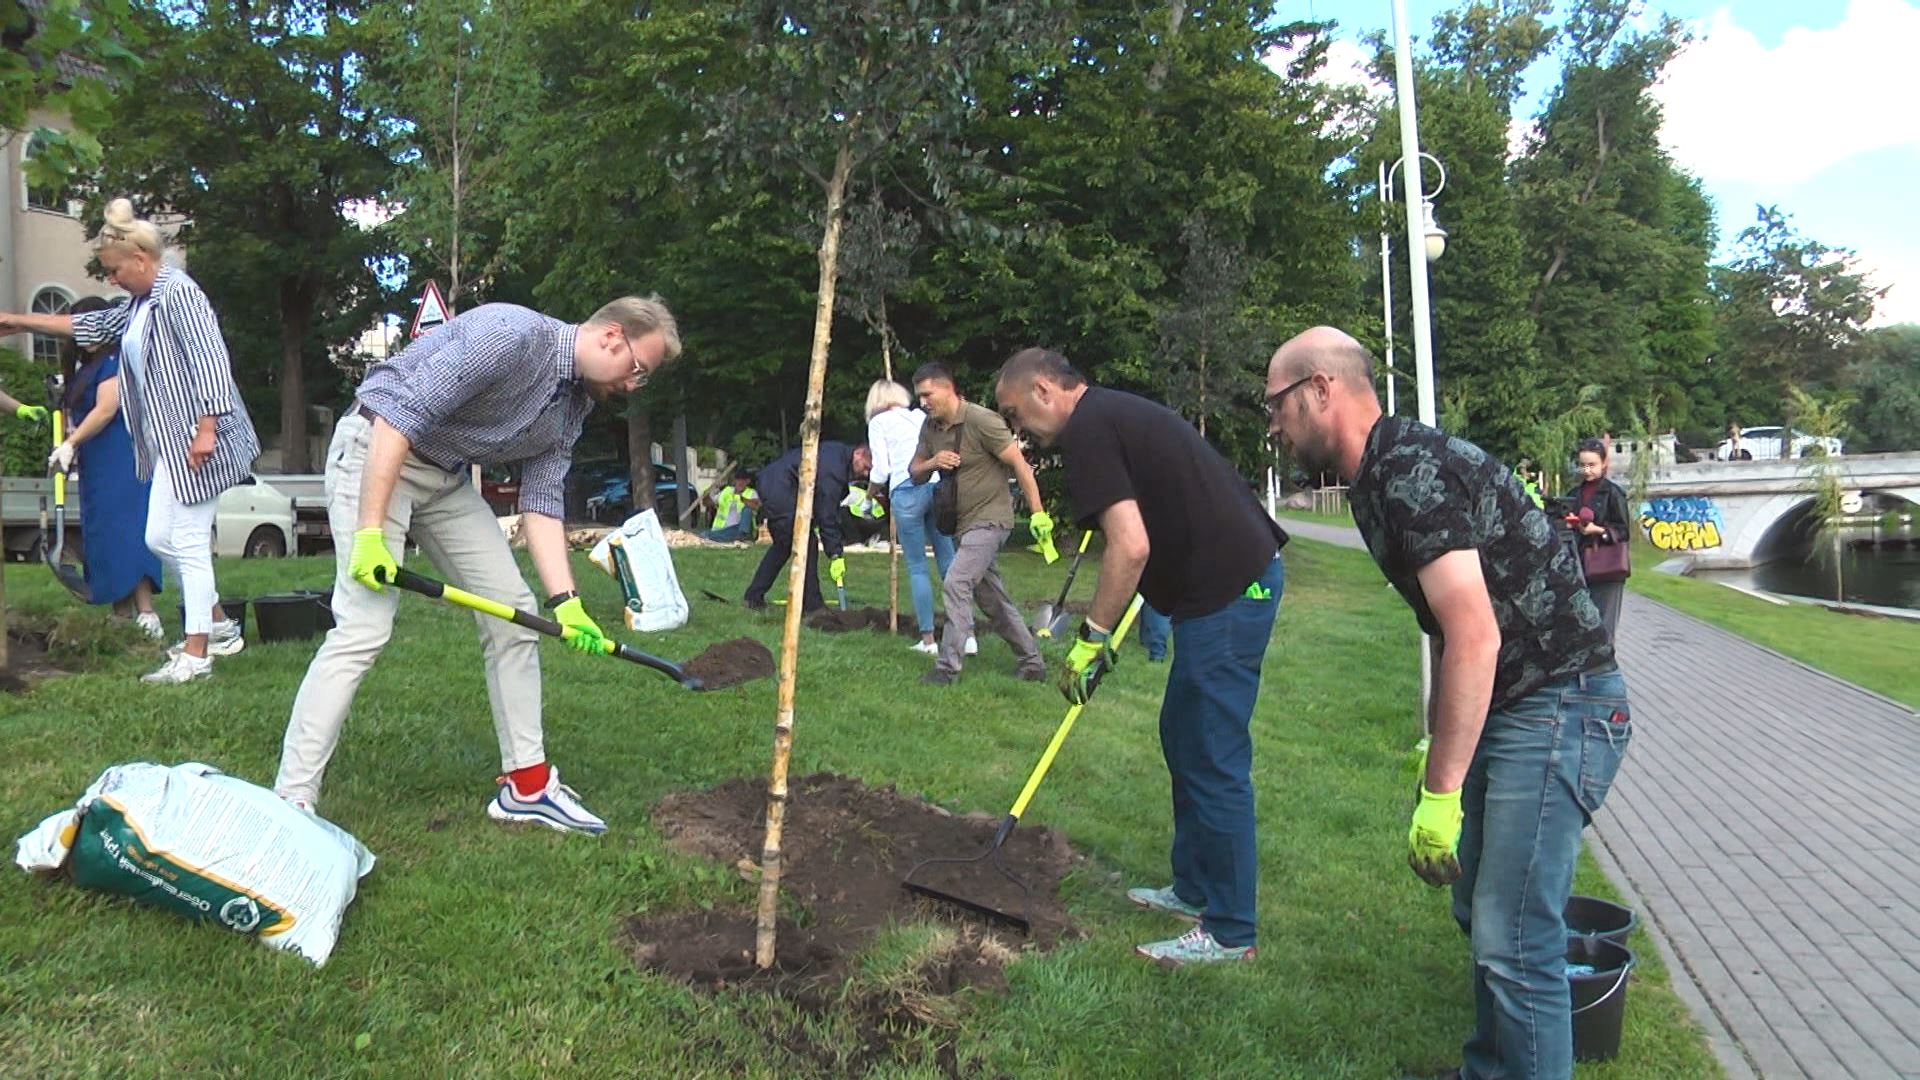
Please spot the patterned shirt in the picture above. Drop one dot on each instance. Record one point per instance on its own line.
(1421, 494)
(494, 386)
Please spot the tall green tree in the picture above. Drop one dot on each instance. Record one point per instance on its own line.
(248, 122)
(1791, 312)
(1886, 387)
(62, 58)
(1207, 336)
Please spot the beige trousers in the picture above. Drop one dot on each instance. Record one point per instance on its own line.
(452, 524)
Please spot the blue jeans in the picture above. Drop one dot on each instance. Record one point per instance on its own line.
(728, 534)
(1155, 628)
(1211, 689)
(1541, 771)
(913, 516)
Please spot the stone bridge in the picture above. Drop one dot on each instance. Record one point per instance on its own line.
(1738, 514)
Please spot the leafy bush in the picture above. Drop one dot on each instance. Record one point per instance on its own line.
(23, 446)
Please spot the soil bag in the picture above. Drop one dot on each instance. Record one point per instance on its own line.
(662, 605)
(192, 841)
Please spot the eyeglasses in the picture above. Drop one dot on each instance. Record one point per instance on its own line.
(640, 374)
(1274, 400)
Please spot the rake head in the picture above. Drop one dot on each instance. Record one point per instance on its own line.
(994, 856)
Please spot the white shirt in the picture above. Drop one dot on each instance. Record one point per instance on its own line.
(133, 356)
(892, 436)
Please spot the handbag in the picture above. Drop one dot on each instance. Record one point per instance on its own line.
(946, 494)
(1604, 562)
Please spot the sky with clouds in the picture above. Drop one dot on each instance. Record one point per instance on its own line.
(1811, 107)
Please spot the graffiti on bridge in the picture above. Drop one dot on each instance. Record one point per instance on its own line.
(1685, 523)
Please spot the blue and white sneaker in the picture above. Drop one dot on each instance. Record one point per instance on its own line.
(557, 807)
(1196, 946)
(1165, 900)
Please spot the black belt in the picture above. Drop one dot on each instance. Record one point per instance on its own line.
(360, 409)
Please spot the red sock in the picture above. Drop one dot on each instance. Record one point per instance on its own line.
(529, 781)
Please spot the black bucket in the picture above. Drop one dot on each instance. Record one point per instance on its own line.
(1590, 916)
(1599, 999)
(288, 616)
(324, 618)
(234, 606)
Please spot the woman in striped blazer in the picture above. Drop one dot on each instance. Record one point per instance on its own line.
(191, 434)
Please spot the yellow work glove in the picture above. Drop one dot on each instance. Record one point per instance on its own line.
(370, 557)
(586, 637)
(1433, 840)
(32, 414)
(1041, 526)
(837, 569)
(1088, 661)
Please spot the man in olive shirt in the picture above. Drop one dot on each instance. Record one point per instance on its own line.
(973, 447)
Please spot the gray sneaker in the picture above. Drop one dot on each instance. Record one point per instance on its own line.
(1165, 901)
(1196, 946)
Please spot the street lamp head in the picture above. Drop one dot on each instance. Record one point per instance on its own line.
(1436, 237)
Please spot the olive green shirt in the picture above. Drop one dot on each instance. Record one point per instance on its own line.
(982, 476)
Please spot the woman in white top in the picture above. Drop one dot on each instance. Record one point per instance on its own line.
(893, 430)
(192, 437)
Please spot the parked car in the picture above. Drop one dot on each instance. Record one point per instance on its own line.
(500, 486)
(1763, 444)
(254, 520)
(607, 488)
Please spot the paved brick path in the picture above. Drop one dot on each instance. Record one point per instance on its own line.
(1759, 822)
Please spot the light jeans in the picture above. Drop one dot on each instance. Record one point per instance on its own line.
(1542, 769)
(458, 532)
(181, 534)
(913, 514)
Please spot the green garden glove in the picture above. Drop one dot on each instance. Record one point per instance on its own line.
(370, 558)
(32, 414)
(587, 638)
(837, 569)
(1088, 661)
(1433, 840)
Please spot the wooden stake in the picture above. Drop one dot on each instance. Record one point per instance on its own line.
(769, 908)
(893, 523)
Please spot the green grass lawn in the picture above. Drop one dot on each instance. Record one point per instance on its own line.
(1877, 653)
(474, 950)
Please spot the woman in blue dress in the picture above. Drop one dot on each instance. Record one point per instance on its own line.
(113, 501)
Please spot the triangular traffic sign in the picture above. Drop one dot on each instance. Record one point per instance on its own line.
(431, 313)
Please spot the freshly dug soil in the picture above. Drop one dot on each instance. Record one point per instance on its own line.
(834, 621)
(26, 662)
(845, 849)
(729, 663)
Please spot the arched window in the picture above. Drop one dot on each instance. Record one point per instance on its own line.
(57, 199)
(51, 300)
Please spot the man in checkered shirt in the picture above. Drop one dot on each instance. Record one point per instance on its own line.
(498, 385)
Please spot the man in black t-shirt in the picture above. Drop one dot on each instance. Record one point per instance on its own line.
(1184, 531)
(1528, 718)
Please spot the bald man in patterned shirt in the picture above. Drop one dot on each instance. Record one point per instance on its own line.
(498, 385)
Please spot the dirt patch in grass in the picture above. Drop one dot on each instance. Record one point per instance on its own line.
(845, 850)
(729, 663)
(834, 621)
(27, 662)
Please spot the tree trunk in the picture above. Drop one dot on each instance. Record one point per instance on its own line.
(1157, 75)
(640, 454)
(1203, 391)
(296, 318)
(683, 489)
(6, 646)
(797, 576)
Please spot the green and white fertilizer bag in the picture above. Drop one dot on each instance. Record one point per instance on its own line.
(192, 841)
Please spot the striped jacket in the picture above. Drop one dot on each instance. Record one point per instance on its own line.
(186, 376)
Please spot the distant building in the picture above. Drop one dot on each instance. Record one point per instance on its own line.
(43, 245)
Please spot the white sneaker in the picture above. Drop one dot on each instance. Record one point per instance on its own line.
(930, 648)
(557, 807)
(149, 624)
(222, 640)
(973, 647)
(180, 668)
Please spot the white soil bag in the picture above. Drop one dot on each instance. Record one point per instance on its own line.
(192, 841)
(662, 606)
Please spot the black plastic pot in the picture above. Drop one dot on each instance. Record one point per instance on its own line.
(289, 616)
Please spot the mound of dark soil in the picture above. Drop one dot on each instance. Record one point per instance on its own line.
(729, 663)
(845, 849)
(834, 621)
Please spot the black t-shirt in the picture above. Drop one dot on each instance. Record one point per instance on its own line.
(1421, 494)
(1209, 539)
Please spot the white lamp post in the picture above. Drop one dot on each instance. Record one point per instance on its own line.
(1435, 245)
(1419, 223)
